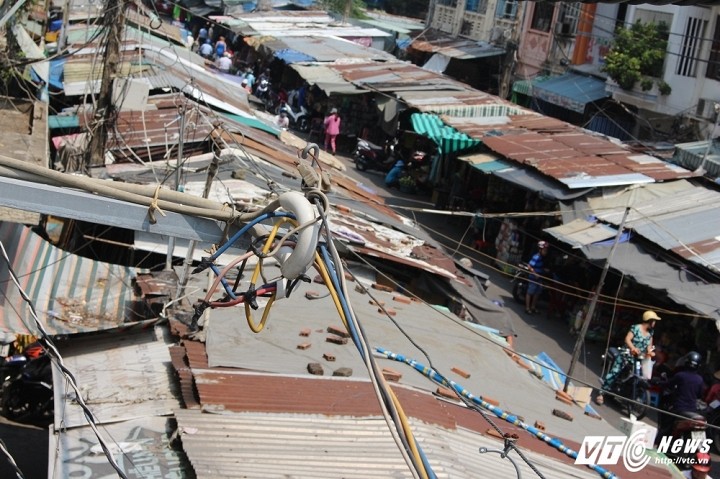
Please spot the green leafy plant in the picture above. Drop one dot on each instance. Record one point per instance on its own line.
(638, 55)
(407, 182)
(350, 8)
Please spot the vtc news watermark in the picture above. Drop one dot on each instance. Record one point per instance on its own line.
(611, 450)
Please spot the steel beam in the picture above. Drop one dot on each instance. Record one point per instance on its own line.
(80, 205)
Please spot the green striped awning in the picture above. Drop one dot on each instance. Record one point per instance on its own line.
(448, 139)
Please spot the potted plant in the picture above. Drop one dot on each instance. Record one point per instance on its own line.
(407, 184)
(637, 56)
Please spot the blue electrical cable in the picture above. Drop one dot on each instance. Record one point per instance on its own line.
(233, 239)
(512, 419)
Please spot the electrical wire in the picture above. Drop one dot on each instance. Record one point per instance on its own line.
(11, 460)
(479, 401)
(50, 348)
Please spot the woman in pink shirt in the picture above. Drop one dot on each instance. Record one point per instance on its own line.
(332, 129)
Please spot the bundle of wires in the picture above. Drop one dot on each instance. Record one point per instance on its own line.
(327, 263)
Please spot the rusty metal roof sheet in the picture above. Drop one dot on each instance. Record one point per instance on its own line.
(71, 294)
(582, 160)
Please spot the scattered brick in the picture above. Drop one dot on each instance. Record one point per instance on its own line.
(522, 363)
(305, 332)
(319, 280)
(446, 393)
(304, 346)
(510, 352)
(562, 414)
(338, 331)
(391, 374)
(563, 399)
(336, 340)
(328, 357)
(460, 372)
(360, 289)
(343, 372)
(593, 415)
(342, 208)
(494, 433)
(402, 299)
(388, 311)
(312, 294)
(376, 303)
(349, 277)
(315, 368)
(492, 401)
(540, 425)
(382, 287)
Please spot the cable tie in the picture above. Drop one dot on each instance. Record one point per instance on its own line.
(199, 310)
(205, 263)
(251, 297)
(154, 206)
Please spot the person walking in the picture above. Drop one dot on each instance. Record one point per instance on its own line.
(332, 130)
(639, 340)
(536, 265)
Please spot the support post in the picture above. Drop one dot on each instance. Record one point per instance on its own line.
(593, 303)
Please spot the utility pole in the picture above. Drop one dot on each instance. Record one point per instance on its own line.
(105, 109)
(178, 169)
(593, 303)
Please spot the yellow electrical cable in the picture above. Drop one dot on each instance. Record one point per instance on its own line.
(256, 272)
(322, 269)
(320, 266)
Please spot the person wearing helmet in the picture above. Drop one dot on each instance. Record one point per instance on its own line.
(282, 121)
(639, 340)
(686, 385)
(537, 271)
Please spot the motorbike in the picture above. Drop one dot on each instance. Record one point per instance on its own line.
(299, 119)
(27, 387)
(369, 156)
(713, 419)
(692, 427)
(520, 282)
(630, 383)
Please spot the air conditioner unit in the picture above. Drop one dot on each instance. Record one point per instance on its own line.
(706, 108)
(564, 29)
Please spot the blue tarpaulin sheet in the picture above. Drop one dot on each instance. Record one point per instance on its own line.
(290, 56)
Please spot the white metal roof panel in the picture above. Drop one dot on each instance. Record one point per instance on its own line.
(122, 376)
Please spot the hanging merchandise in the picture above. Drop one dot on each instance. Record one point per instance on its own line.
(507, 245)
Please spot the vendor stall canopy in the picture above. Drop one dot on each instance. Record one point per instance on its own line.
(448, 139)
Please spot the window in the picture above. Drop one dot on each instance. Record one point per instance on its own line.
(713, 67)
(506, 9)
(694, 33)
(448, 3)
(542, 16)
(477, 6)
(568, 18)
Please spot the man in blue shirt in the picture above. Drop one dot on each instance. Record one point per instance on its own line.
(537, 269)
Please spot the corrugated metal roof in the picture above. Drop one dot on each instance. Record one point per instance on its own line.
(679, 217)
(71, 294)
(326, 48)
(326, 78)
(459, 48)
(693, 155)
(581, 160)
(581, 232)
(317, 446)
(571, 91)
(295, 23)
(125, 382)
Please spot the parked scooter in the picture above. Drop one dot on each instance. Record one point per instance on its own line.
(520, 282)
(299, 119)
(630, 383)
(27, 387)
(369, 156)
